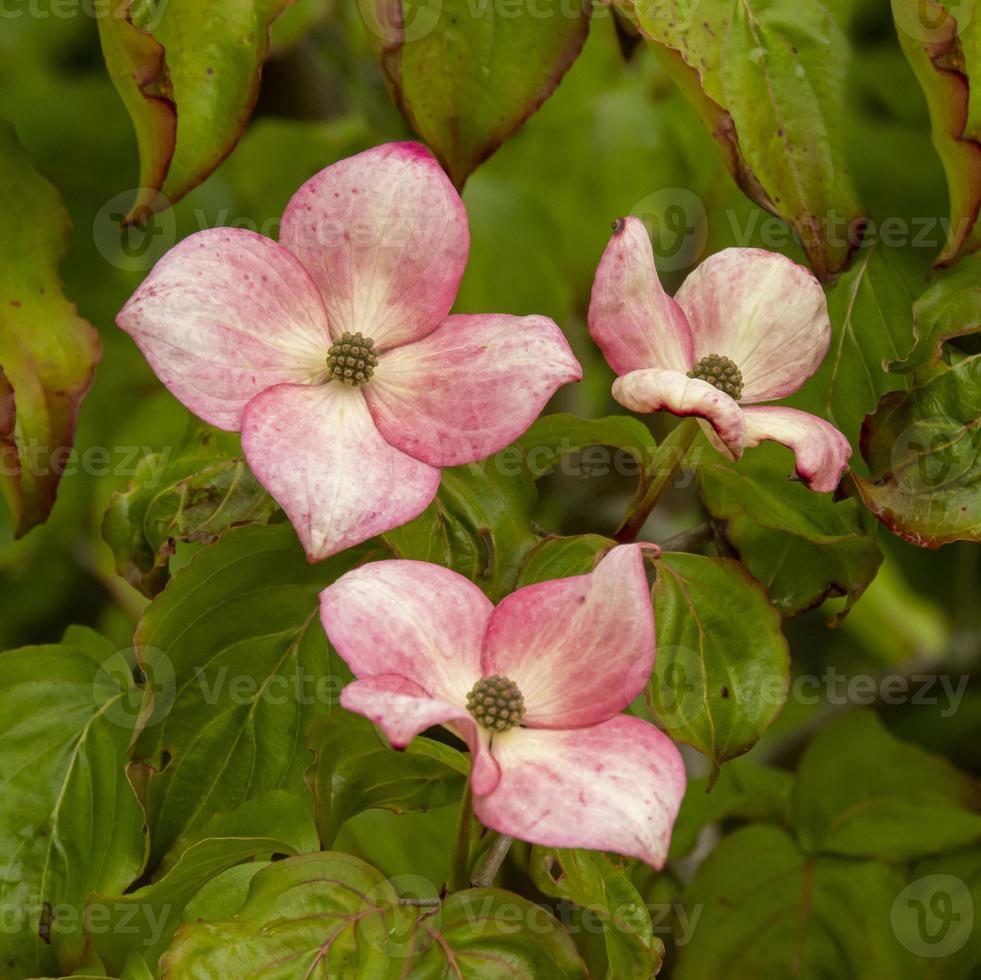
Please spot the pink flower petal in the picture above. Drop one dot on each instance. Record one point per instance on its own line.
(632, 319)
(580, 649)
(822, 451)
(412, 618)
(402, 710)
(471, 387)
(385, 236)
(649, 391)
(614, 787)
(225, 314)
(318, 452)
(765, 312)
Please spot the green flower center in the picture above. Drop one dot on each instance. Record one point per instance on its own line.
(352, 359)
(721, 373)
(496, 703)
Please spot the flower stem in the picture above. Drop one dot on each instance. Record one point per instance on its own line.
(490, 863)
(461, 852)
(668, 458)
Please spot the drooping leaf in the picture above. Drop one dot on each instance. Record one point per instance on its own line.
(597, 882)
(354, 770)
(768, 79)
(198, 62)
(147, 918)
(950, 307)
(871, 324)
(722, 670)
(332, 915)
(135, 61)
(249, 671)
(468, 75)
(923, 449)
(945, 57)
(772, 911)
(479, 524)
(194, 495)
(47, 351)
(802, 546)
(70, 822)
(860, 792)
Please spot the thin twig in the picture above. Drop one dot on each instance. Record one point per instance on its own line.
(490, 863)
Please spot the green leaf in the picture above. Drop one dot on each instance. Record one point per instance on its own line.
(933, 42)
(558, 557)
(332, 915)
(70, 822)
(242, 668)
(596, 882)
(802, 546)
(723, 669)
(479, 524)
(354, 770)
(768, 79)
(871, 324)
(742, 790)
(145, 920)
(47, 352)
(950, 307)
(135, 61)
(203, 490)
(923, 448)
(200, 62)
(771, 911)
(862, 793)
(468, 76)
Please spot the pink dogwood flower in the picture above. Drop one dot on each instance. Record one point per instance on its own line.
(747, 326)
(333, 352)
(534, 686)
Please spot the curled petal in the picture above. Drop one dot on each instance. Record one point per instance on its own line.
(225, 314)
(614, 787)
(632, 319)
(318, 452)
(580, 649)
(822, 451)
(649, 391)
(471, 387)
(765, 312)
(411, 618)
(402, 710)
(385, 236)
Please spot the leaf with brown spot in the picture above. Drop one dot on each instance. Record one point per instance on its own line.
(944, 54)
(47, 351)
(467, 75)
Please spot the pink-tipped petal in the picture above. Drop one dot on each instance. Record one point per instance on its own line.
(763, 311)
(632, 319)
(225, 314)
(385, 236)
(402, 710)
(580, 649)
(614, 787)
(411, 618)
(317, 450)
(822, 451)
(650, 391)
(471, 387)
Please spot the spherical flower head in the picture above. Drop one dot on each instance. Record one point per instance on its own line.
(535, 686)
(747, 326)
(333, 351)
